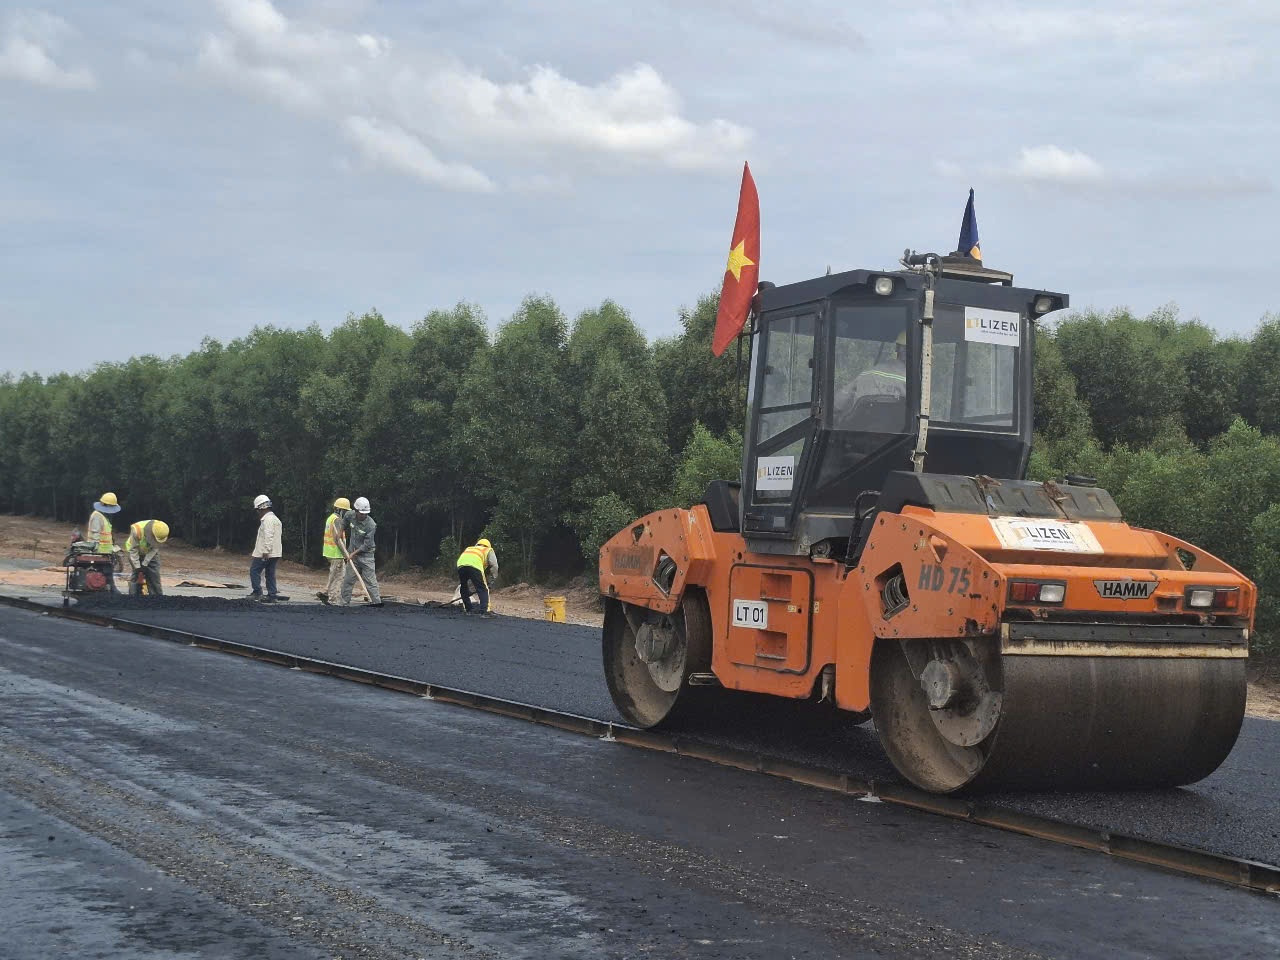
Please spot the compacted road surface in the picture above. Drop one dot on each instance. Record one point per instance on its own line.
(160, 801)
(1236, 811)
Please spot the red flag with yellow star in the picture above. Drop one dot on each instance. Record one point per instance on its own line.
(743, 269)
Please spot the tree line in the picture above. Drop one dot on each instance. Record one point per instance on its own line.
(549, 435)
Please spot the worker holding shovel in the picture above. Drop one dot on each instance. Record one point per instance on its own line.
(361, 530)
(334, 534)
(143, 548)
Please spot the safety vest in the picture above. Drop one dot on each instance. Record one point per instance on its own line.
(105, 544)
(888, 375)
(331, 551)
(141, 535)
(474, 557)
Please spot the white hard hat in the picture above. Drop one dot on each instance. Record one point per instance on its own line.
(260, 501)
(362, 504)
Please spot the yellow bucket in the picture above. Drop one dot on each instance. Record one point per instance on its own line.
(554, 609)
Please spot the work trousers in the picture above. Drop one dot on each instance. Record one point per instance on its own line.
(363, 563)
(333, 590)
(256, 568)
(151, 572)
(468, 577)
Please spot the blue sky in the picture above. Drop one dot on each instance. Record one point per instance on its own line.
(175, 171)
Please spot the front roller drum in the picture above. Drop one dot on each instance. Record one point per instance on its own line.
(653, 690)
(1066, 722)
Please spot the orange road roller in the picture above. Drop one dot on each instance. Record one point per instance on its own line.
(884, 554)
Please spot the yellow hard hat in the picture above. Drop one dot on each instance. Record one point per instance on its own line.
(902, 339)
(109, 499)
(161, 530)
(482, 542)
(342, 503)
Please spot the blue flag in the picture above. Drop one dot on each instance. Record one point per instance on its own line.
(968, 243)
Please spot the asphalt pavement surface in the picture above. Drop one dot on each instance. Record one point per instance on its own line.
(1236, 811)
(163, 801)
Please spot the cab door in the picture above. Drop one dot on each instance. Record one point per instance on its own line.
(783, 425)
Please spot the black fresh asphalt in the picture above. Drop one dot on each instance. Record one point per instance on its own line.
(1236, 811)
(160, 801)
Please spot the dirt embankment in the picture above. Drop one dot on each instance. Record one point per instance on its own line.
(31, 549)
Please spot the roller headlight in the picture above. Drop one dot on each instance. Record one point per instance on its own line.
(1200, 598)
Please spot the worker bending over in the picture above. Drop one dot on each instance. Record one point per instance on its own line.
(472, 565)
(267, 549)
(361, 530)
(335, 536)
(143, 548)
(100, 531)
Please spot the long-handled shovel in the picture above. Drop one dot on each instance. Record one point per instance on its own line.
(354, 569)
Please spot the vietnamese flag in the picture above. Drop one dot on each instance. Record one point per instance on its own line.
(743, 269)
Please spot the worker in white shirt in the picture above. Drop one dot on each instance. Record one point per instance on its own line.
(266, 552)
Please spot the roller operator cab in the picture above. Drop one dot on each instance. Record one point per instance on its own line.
(884, 553)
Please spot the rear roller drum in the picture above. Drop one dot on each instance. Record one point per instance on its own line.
(648, 671)
(950, 718)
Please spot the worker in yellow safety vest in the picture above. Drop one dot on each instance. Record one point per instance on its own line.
(143, 548)
(335, 535)
(100, 530)
(886, 381)
(473, 563)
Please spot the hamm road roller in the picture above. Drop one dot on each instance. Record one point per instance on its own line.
(884, 553)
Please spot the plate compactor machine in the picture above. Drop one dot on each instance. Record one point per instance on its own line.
(884, 553)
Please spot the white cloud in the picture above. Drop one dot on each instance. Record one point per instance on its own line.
(401, 150)
(255, 18)
(1052, 164)
(25, 53)
(635, 114)
(427, 106)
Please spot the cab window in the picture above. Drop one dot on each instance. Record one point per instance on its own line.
(870, 369)
(787, 388)
(975, 381)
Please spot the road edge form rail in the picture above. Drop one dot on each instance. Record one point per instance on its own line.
(1248, 874)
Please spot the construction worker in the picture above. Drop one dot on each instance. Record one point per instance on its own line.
(473, 563)
(143, 547)
(100, 530)
(335, 536)
(887, 379)
(361, 530)
(266, 551)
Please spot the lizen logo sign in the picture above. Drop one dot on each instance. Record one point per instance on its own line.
(775, 473)
(1017, 533)
(1000, 327)
(1126, 589)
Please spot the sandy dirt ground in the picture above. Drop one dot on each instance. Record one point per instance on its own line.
(31, 549)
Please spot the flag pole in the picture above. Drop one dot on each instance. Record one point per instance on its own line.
(737, 371)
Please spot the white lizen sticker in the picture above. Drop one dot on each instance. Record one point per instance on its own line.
(1000, 327)
(1019, 533)
(775, 473)
(751, 613)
